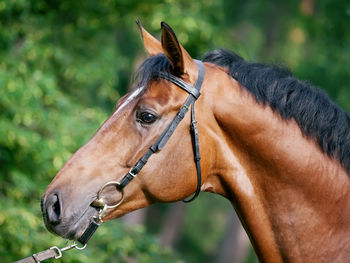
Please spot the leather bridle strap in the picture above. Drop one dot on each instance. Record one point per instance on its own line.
(197, 157)
(194, 92)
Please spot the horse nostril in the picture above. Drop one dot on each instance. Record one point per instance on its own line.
(52, 208)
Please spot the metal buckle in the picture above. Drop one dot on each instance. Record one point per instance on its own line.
(131, 173)
(57, 251)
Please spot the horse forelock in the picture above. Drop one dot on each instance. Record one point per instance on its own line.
(150, 69)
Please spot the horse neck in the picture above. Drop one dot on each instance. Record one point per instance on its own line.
(292, 199)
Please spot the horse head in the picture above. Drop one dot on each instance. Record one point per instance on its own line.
(140, 117)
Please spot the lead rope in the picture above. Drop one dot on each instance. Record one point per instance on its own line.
(52, 252)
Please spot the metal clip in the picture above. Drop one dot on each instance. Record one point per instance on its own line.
(77, 247)
(57, 251)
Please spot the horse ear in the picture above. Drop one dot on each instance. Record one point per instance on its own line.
(181, 61)
(152, 45)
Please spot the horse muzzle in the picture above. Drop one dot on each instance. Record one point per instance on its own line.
(68, 220)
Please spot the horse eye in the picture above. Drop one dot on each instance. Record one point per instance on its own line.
(146, 118)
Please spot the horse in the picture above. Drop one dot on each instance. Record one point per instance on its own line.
(276, 147)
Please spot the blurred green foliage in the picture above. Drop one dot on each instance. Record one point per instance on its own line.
(64, 64)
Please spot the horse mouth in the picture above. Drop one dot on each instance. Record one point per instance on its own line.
(69, 226)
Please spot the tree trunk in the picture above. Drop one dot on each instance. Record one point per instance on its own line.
(137, 217)
(235, 244)
(173, 221)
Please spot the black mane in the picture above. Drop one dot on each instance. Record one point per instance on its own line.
(317, 116)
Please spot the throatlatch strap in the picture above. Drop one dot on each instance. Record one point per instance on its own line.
(194, 92)
(197, 157)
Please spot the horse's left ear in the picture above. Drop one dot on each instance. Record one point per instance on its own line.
(181, 61)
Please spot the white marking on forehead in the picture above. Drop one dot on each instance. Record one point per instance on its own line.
(130, 98)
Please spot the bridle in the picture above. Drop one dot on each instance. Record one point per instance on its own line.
(158, 145)
(194, 93)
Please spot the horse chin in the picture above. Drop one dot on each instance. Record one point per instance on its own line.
(74, 226)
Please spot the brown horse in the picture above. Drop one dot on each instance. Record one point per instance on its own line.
(276, 147)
